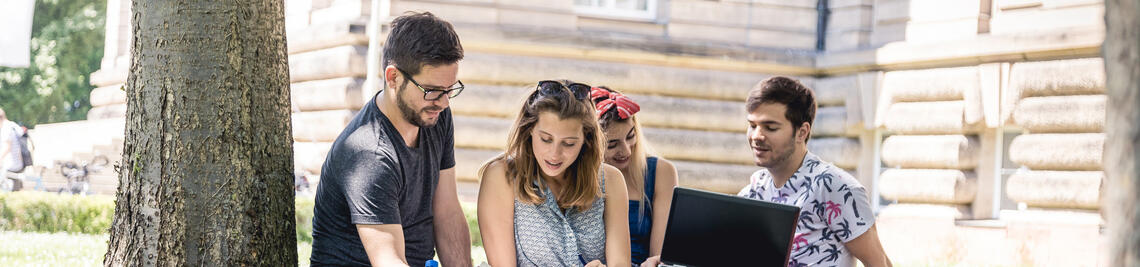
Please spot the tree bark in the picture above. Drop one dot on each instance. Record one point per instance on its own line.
(206, 175)
(1122, 68)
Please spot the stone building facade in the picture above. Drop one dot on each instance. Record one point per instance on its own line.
(977, 124)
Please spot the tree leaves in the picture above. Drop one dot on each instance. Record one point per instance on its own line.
(67, 46)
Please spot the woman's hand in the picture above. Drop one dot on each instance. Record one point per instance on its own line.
(595, 263)
(652, 261)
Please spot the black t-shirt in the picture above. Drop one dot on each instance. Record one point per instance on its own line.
(371, 177)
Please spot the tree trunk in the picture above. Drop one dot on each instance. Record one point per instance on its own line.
(1122, 68)
(206, 175)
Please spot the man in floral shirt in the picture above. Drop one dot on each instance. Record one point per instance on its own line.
(836, 221)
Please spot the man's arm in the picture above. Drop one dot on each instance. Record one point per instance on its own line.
(384, 243)
(452, 236)
(868, 250)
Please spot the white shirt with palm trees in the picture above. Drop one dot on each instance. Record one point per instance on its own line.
(834, 209)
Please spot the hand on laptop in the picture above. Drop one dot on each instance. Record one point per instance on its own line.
(595, 263)
(652, 261)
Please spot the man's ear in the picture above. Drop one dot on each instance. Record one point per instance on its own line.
(390, 74)
(803, 130)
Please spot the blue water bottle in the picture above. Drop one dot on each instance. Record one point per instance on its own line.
(431, 263)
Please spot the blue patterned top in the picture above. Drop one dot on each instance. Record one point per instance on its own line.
(834, 209)
(547, 236)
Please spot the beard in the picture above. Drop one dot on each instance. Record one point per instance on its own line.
(411, 115)
(780, 155)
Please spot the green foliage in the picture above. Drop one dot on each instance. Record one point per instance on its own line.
(470, 211)
(50, 212)
(67, 46)
(304, 215)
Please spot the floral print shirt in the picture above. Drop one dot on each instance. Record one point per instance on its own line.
(834, 209)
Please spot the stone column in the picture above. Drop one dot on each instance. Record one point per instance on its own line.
(108, 100)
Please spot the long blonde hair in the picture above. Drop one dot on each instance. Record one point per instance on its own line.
(639, 153)
(521, 166)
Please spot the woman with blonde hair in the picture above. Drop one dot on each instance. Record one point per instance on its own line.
(549, 200)
(649, 179)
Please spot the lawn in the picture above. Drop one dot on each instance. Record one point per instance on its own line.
(42, 229)
(51, 249)
(65, 249)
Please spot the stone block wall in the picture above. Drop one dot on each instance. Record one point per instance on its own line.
(943, 81)
(925, 21)
(840, 133)
(849, 25)
(933, 151)
(689, 116)
(1012, 17)
(932, 158)
(775, 24)
(328, 43)
(1061, 109)
(751, 23)
(328, 57)
(943, 161)
(327, 68)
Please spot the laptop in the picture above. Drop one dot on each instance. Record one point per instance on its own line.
(713, 229)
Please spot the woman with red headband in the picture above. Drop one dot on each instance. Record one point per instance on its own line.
(649, 180)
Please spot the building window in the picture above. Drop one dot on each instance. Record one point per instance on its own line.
(618, 9)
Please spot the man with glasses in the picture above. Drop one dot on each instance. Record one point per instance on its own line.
(387, 194)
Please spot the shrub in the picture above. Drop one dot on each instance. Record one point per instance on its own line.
(50, 212)
(304, 215)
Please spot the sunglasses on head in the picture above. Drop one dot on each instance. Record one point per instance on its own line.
(578, 90)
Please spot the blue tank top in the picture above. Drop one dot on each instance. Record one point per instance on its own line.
(641, 226)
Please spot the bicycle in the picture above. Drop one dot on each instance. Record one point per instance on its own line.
(77, 174)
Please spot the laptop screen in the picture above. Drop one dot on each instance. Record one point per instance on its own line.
(712, 229)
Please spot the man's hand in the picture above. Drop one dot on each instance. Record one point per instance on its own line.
(595, 263)
(652, 261)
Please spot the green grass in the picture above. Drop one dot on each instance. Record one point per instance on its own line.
(51, 249)
(304, 250)
(65, 249)
(44, 229)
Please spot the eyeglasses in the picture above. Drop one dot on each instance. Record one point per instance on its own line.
(578, 90)
(433, 94)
